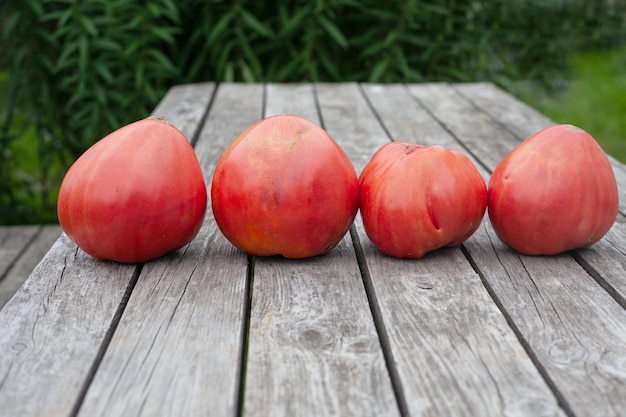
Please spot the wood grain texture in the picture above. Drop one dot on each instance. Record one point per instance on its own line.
(314, 350)
(486, 140)
(606, 260)
(524, 121)
(13, 241)
(27, 260)
(313, 347)
(52, 329)
(456, 354)
(350, 121)
(292, 99)
(177, 349)
(574, 330)
(473, 331)
(185, 106)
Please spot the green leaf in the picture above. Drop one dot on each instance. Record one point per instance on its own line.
(294, 22)
(220, 27)
(88, 25)
(377, 71)
(255, 24)
(106, 44)
(331, 66)
(67, 57)
(83, 55)
(170, 9)
(103, 70)
(334, 32)
(161, 59)
(164, 33)
(246, 72)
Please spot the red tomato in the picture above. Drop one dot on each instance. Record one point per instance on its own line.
(416, 199)
(135, 195)
(554, 192)
(284, 187)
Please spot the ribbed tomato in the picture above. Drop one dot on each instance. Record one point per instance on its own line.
(415, 199)
(554, 192)
(284, 187)
(135, 195)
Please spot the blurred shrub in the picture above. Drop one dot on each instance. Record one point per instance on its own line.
(78, 69)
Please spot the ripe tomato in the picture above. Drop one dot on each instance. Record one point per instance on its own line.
(554, 192)
(415, 199)
(135, 195)
(284, 187)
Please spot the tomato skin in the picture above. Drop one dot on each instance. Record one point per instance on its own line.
(415, 199)
(135, 195)
(554, 192)
(284, 187)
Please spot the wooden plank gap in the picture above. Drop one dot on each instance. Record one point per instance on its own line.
(318, 106)
(264, 102)
(377, 316)
(373, 109)
(487, 113)
(106, 341)
(599, 279)
(245, 334)
(451, 133)
(15, 259)
(560, 398)
(203, 119)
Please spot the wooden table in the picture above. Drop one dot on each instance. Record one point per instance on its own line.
(476, 330)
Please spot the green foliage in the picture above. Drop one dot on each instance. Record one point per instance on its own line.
(77, 69)
(598, 83)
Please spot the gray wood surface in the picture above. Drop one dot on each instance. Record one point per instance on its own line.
(311, 325)
(568, 322)
(56, 327)
(26, 261)
(178, 348)
(455, 350)
(605, 260)
(441, 368)
(476, 330)
(52, 330)
(13, 241)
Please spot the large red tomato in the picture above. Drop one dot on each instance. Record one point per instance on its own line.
(554, 192)
(135, 195)
(284, 187)
(415, 199)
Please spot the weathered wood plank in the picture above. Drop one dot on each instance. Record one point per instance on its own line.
(510, 112)
(13, 241)
(607, 259)
(454, 349)
(293, 99)
(573, 329)
(178, 347)
(24, 264)
(187, 105)
(53, 329)
(523, 121)
(313, 347)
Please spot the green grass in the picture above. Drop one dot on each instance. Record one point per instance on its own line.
(594, 98)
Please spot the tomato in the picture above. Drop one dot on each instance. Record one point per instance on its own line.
(554, 192)
(135, 195)
(284, 187)
(415, 199)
